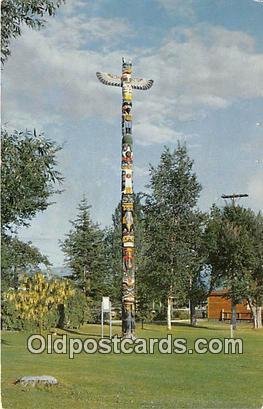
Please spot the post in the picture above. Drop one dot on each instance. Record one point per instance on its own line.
(127, 199)
(234, 315)
(169, 313)
(110, 323)
(102, 320)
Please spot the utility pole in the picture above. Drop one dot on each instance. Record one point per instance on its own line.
(127, 83)
(234, 197)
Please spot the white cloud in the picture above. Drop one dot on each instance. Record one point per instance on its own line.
(255, 190)
(181, 8)
(194, 75)
(140, 171)
(51, 75)
(150, 133)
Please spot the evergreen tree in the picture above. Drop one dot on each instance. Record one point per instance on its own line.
(113, 246)
(85, 253)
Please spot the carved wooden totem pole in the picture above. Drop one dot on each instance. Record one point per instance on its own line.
(127, 200)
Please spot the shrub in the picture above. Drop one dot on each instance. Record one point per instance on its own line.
(76, 311)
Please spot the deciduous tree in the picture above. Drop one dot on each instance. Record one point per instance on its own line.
(29, 176)
(36, 296)
(173, 228)
(230, 243)
(16, 13)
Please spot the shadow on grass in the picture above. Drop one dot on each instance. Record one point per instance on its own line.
(76, 332)
(4, 342)
(187, 325)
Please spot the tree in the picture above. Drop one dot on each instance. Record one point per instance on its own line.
(18, 256)
(29, 176)
(85, 252)
(113, 247)
(255, 290)
(16, 13)
(231, 253)
(37, 296)
(173, 228)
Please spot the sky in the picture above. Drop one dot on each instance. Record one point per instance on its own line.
(206, 60)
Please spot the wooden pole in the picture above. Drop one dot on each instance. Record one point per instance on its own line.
(127, 83)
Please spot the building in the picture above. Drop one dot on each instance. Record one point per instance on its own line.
(219, 307)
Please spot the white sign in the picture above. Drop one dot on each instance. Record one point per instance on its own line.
(106, 304)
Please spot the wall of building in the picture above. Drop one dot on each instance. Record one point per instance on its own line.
(218, 303)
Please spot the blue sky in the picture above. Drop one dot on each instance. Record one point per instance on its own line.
(206, 60)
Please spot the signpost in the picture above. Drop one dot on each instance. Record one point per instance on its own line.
(105, 308)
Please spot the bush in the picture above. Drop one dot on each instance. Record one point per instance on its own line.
(12, 321)
(181, 314)
(76, 311)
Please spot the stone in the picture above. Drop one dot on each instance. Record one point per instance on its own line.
(37, 380)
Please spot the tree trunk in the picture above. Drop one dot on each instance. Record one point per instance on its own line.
(259, 317)
(40, 325)
(169, 308)
(234, 316)
(192, 313)
(61, 319)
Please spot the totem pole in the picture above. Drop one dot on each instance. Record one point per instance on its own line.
(127, 201)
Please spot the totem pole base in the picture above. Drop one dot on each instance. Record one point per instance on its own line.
(129, 336)
(128, 320)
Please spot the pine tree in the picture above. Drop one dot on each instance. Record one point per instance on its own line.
(85, 253)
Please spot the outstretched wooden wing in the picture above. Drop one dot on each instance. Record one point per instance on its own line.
(140, 83)
(109, 79)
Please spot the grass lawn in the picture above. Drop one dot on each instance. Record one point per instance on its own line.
(138, 381)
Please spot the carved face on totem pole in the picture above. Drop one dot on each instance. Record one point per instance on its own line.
(128, 220)
(127, 181)
(127, 155)
(128, 258)
(127, 91)
(126, 107)
(127, 288)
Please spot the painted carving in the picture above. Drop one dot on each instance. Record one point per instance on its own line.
(127, 220)
(128, 285)
(127, 157)
(128, 288)
(126, 124)
(128, 258)
(126, 181)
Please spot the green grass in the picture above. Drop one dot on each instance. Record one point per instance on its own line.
(138, 381)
